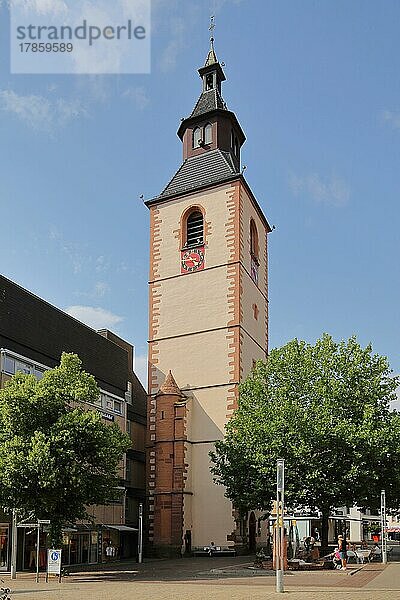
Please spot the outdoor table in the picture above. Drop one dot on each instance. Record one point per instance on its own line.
(363, 554)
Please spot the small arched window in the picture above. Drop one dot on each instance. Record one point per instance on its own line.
(208, 133)
(195, 229)
(196, 137)
(209, 82)
(253, 239)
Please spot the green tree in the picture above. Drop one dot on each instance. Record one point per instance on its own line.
(56, 457)
(325, 409)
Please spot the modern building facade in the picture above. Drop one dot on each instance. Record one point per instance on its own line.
(33, 335)
(208, 320)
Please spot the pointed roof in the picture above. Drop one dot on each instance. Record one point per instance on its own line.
(209, 100)
(211, 56)
(170, 387)
(200, 171)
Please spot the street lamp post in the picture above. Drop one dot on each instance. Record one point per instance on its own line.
(383, 527)
(14, 546)
(140, 534)
(280, 531)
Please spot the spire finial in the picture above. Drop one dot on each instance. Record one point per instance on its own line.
(212, 27)
(211, 57)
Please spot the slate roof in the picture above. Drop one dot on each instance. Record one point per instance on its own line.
(198, 171)
(208, 101)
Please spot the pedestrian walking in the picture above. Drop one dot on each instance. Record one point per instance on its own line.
(342, 545)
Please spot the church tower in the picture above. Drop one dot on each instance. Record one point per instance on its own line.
(208, 321)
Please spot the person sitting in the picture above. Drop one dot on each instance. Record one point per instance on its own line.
(337, 563)
(376, 552)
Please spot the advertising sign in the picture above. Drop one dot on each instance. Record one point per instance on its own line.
(54, 562)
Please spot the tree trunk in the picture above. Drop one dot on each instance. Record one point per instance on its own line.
(324, 532)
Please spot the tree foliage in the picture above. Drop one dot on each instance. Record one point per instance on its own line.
(325, 409)
(56, 457)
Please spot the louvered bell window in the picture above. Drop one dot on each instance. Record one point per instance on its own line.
(195, 227)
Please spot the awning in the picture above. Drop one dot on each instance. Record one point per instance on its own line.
(121, 527)
(393, 529)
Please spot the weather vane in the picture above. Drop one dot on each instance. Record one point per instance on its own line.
(212, 27)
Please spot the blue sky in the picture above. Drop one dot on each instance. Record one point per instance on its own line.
(316, 87)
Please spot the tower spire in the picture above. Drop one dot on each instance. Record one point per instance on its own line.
(211, 56)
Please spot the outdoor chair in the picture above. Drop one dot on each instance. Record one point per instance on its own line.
(352, 556)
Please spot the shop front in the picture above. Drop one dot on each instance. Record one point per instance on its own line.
(4, 547)
(119, 542)
(104, 543)
(80, 547)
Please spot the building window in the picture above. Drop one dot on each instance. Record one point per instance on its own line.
(98, 401)
(234, 143)
(209, 82)
(22, 367)
(255, 311)
(253, 239)
(254, 251)
(117, 406)
(38, 372)
(9, 365)
(196, 137)
(208, 133)
(195, 229)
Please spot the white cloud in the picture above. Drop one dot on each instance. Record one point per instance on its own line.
(72, 250)
(138, 96)
(101, 288)
(169, 56)
(141, 368)
(331, 192)
(42, 7)
(96, 317)
(102, 264)
(219, 4)
(392, 118)
(40, 113)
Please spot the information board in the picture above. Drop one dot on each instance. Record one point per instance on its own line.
(53, 562)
